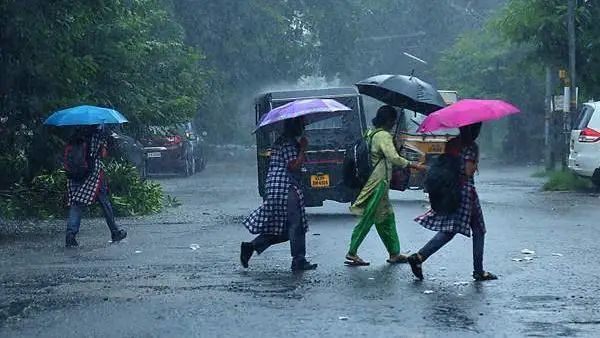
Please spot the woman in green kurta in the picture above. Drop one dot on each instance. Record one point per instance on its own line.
(373, 203)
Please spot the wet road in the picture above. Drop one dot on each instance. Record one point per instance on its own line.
(154, 284)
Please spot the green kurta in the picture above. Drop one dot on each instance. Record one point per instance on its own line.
(383, 158)
(373, 202)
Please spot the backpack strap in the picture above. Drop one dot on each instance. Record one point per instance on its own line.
(370, 142)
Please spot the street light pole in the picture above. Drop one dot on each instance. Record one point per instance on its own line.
(570, 116)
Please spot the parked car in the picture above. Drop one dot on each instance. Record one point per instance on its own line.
(175, 148)
(127, 148)
(584, 155)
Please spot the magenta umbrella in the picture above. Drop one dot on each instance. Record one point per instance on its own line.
(465, 112)
(312, 110)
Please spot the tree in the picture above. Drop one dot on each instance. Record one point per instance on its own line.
(543, 25)
(482, 64)
(129, 55)
(249, 45)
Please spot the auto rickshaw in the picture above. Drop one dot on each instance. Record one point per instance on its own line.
(322, 176)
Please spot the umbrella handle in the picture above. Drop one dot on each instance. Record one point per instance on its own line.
(396, 130)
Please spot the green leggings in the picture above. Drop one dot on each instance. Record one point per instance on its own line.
(386, 228)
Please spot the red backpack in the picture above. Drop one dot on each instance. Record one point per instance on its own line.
(76, 161)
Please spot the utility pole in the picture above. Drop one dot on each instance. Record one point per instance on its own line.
(570, 116)
(548, 143)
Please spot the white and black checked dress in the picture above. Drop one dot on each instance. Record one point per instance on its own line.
(469, 213)
(86, 192)
(271, 216)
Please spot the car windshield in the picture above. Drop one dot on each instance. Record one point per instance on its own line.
(177, 129)
(411, 122)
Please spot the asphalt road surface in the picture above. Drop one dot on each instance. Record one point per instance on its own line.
(178, 273)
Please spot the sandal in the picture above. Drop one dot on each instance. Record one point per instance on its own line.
(397, 259)
(355, 261)
(415, 262)
(484, 276)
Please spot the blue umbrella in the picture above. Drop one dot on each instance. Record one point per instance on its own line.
(84, 116)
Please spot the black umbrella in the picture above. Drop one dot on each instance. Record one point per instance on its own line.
(403, 91)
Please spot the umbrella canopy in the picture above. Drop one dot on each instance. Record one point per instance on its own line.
(465, 112)
(85, 115)
(403, 91)
(312, 110)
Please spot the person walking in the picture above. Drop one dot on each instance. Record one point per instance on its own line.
(282, 216)
(467, 219)
(91, 186)
(373, 204)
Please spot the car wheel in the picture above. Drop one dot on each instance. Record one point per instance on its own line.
(192, 165)
(189, 166)
(200, 163)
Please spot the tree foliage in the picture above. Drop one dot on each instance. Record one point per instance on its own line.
(542, 24)
(482, 64)
(129, 55)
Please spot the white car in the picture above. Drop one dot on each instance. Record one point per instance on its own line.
(584, 156)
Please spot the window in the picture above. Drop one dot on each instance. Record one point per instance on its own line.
(410, 122)
(585, 115)
(330, 123)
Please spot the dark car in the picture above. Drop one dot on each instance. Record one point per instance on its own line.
(174, 149)
(327, 139)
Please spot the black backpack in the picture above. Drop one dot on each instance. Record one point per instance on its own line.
(443, 184)
(357, 163)
(76, 161)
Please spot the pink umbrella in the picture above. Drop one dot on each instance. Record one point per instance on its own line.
(465, 112)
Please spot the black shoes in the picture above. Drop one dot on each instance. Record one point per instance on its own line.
(118, 235)
(246, 252)
(303, 266)
(70, 241)
(484, 276)
(415, 262)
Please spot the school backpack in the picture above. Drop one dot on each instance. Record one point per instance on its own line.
(76, 160)
(443, 184)
(357, 166)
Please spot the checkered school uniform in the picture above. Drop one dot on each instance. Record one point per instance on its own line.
(86, 192)
(271, 216)
(469, 214)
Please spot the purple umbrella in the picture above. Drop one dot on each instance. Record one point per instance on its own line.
(312, 110)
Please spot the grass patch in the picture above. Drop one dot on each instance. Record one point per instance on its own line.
(540, 174)
(567, 181)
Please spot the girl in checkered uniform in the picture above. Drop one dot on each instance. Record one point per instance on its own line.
(467, 219)
(282, 216)
(93, 188)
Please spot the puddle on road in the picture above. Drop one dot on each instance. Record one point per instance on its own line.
(553, 309)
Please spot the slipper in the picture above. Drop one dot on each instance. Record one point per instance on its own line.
(400, 259)
(355, 261)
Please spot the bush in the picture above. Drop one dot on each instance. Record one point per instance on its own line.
(129, 193)
(12, 169)
(566, 181)
(46, 196)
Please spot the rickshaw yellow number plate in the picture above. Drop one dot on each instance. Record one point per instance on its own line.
(319, 181)
(436, 148)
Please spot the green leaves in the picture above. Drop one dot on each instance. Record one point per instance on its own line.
(129, 55)
(46, 195)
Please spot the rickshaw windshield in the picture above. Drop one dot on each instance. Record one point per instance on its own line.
(410, 122)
